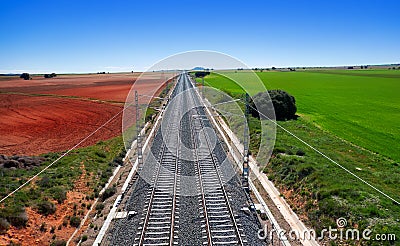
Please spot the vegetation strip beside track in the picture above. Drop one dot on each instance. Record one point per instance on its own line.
(58, 188)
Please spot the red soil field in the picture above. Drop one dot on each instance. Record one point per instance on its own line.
(110, 87)
(33, 123)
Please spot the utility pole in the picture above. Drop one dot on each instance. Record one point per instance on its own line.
(245, 173)
(138, 130)
(202, 87)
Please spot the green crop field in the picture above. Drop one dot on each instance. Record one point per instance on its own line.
(362, 107)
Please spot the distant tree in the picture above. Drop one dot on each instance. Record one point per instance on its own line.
(273, 68)
(25, 76)
(201, 74)
(350, 67)
(50, 75)
(284, 105)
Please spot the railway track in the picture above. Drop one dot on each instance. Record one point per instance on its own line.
(162, 212)
(211, 216)
(221, 226)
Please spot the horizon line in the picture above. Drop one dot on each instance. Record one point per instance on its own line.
(2, 73)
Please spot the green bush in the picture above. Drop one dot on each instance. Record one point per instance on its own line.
(201, 74)
(289, 152)
(300, 152)
(75, 221)
(25, 76)
(99, 206)
(278, 150)
(15, 215)
(84, 238)
(305, 171)
(46, 207)
(58, 243)
(65, 222)
(4, 225)
(43, 227)
(101, 154)
(332, 208)
(118, 160)
(45, 182)
(59, 194)
(12, 243)
(108, 193)
(284, 105)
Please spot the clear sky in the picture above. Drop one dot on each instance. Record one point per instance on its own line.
(96, 35)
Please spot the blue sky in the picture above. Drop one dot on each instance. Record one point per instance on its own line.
(95, 35)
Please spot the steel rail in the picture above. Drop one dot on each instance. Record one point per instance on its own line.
(230, 210)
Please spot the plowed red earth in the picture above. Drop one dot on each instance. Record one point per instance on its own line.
(35, 125)
(32, 123)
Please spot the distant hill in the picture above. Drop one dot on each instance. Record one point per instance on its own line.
(199, 68)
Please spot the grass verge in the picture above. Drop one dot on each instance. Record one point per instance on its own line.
(95, 162)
